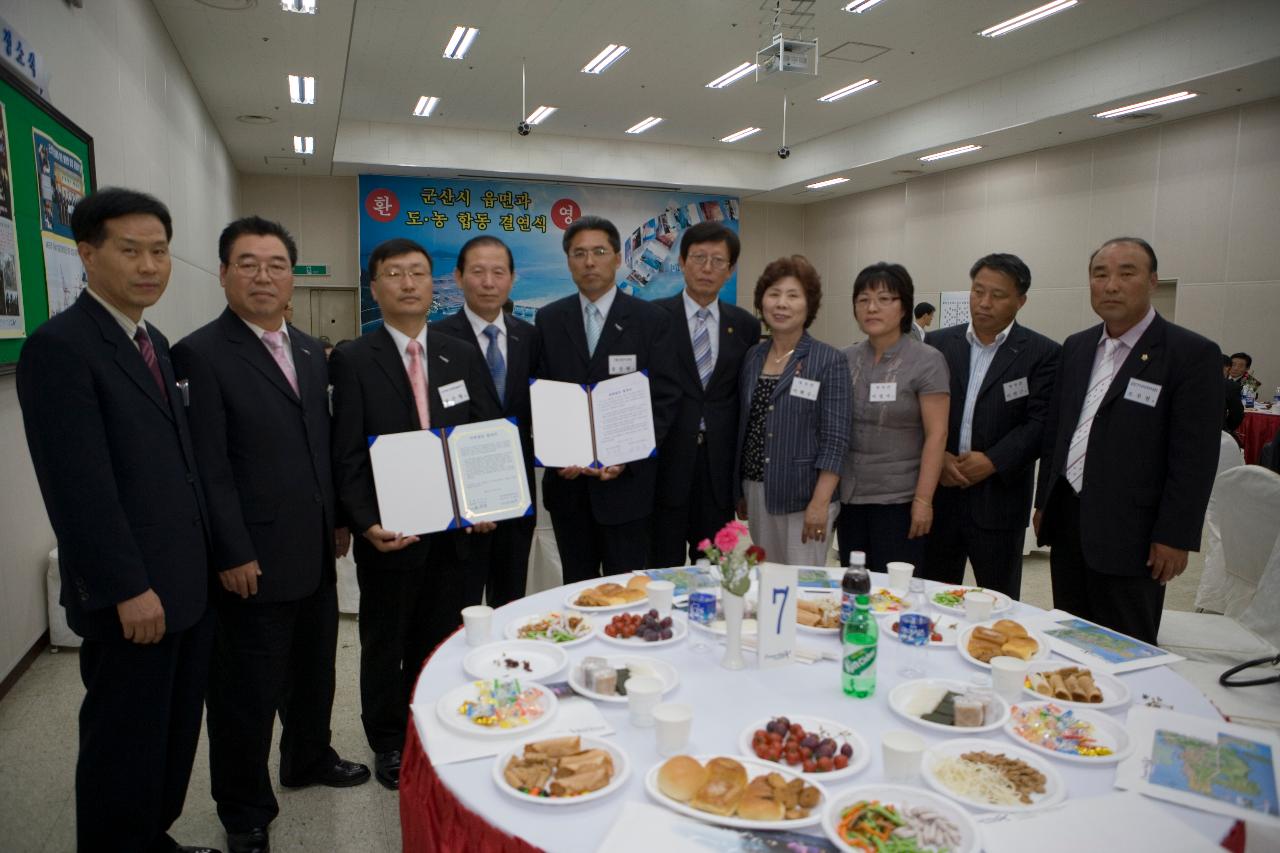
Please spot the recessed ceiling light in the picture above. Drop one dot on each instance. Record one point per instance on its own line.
(950, 152)
(304, 7)
(857, 7)
(731, 77)
(302, 90)
(460, 42)
(641, 127)
(829, 182)
(832, 97)
(1146, 105)
(1026, 18)
(611, 54)
(540, 115)
(742, 134)
(304, 144)
(426, 105)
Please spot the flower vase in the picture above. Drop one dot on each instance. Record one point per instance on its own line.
(733, 607)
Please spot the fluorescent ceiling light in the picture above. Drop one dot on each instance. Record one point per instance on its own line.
(857, 7)
(302, 90)
(460, 42)
(950, 152)
(305, 7)
(829, 182)
(641, 127)
(540, 115)
(1031, 17)
(832, 97)
(731, 77)
(1146, 105)
(426, 105)
(304, 144)
(742, 134)
(611, 54)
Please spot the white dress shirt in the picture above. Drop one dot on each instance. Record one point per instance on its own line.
(980, 357)
(603, 304)
(126, 322)
(479, 324)
(691, 309)
(402, 344)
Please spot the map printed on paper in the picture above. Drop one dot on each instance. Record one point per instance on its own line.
(1098, 641)
(1232, 770)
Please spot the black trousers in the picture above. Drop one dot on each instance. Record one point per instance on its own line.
(406, 610)
(996, 555)
(1130, 604)
(269, 658)
(139, 726)
(676, 530)
(585, 545)
(498, 565)
(880, 531)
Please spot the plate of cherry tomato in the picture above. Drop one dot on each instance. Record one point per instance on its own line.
(817, 747)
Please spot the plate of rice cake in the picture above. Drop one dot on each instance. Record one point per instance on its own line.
(1075, 686)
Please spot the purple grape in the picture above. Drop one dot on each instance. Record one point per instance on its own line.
(666, 622)
(846, 751)
(666, 634)
(784, 724)
(810, 741)
(653, 614)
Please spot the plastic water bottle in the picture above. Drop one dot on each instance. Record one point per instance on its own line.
(1246, 394)
(861, 636)
(914, 630)
(856, 582)
(1275, 401)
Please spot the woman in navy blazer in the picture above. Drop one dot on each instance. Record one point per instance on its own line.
(794, 425)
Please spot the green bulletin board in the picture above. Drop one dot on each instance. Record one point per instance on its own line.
(46, 166)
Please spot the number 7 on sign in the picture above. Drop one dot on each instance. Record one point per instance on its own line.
(777, 606)
(782, 608)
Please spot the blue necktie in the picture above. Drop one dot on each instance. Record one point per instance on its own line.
(595, 324)
(497, 367)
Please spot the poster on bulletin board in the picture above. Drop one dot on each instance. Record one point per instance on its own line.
(530, 218)
(954, 310)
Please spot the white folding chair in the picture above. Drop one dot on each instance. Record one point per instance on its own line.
(1211, 594)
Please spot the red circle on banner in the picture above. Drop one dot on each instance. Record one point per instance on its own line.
(565, 211)
(382, 205)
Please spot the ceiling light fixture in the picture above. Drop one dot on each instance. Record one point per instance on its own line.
(540, 115)
(1146, 105)
(460, 42)
(731, 77)
(1036, 14)
(304, 145)
(829, 182)
(302, 90)
(857, 7)
(742, 134)
(426, 105)
(303, 7)
(611, 54)
(641, 127)
(950, 152)
(832, 97)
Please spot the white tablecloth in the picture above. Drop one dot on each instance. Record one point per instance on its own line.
(726, 702)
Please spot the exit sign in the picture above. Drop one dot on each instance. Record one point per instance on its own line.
(311, 269)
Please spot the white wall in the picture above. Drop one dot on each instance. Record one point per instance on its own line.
(115, 72)
(320, 213)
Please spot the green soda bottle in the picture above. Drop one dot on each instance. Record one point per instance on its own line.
(861, 634)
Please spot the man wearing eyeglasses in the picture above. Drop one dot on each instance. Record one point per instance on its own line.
(601, 517)
(695, 464)
(257, 397)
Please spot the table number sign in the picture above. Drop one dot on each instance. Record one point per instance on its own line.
(776, 615)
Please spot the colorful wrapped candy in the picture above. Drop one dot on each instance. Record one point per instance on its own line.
(1057, 729)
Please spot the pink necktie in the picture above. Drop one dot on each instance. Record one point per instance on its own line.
(418, 380)
(275, 343)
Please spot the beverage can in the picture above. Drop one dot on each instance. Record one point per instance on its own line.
(702, 607)
(913, 629)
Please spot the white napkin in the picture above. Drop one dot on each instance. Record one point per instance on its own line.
(1119, 821)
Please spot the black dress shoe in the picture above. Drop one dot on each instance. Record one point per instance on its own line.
(255, 840)
(340, 774)
(387, 768)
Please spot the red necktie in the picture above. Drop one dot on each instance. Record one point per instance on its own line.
(149, 356)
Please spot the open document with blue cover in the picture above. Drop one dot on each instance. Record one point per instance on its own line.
(608, 423)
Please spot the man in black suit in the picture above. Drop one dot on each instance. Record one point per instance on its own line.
(601, 517)
(695, 463)
(1131, 449)
(112, 452)
(1003, 372)
(259, 407)
(498, 565)
(393, 379)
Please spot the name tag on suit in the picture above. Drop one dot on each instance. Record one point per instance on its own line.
(454, 393)
(1016, 390)
(620, 364)
(1145, 393)
(805, 389)
(884, 392)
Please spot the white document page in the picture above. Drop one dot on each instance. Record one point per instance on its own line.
(623, 417)
(412, 482)
(561, 424)
(488, 471)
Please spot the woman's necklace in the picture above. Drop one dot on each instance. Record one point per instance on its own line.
(778, 359)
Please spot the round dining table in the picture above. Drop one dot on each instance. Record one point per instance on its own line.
(458, 806)
(1258, 428)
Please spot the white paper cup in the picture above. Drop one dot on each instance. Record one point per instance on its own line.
(674, 722)
(1007, 676)
(978, 606)
(643, 694)
(660, 595)
(900, 576)
(478, 622)
(902, 753)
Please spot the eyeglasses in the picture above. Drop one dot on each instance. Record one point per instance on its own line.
(275, 269)
(880, 301)
(596, 252)
(394, 275)
(717, 264)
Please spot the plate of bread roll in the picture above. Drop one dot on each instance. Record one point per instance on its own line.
(561, 771)
(1075, 686)
(979, 643)
(737, 792)
(609, 596)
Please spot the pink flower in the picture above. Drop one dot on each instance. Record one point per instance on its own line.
(738, 527)
(704, 545)
(727, 539)
(755, 552)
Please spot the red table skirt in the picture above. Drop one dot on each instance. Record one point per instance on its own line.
(1256, 431)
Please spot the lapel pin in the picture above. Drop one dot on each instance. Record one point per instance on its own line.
(445, 360)
(729, 330)
(1144, 356)
(618, 327)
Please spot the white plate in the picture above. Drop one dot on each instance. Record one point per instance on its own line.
(962, 642)
(1002, 605)
(754, 767)
(621, 772)
(821, 727)
(544, 659)
(947, 626)
(669, 675)
(812, 594)
(1114, 692)
(679, 630)
(1107, 731)
(512, 631)
(901, 796)
(572, 596)
(447, 711)
(888, 607)
(1055, 789)
(900, 701)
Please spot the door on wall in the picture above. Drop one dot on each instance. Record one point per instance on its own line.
(1165, 299)
(328, 313)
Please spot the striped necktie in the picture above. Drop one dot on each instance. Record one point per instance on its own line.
(1097, 390)
(595, 325)
(702, 346)
(497, 367)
